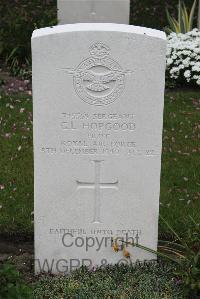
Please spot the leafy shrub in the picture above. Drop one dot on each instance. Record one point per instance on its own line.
(11, 285)
(18, 20)
(183, 58)
(151, 13)
(185, 20)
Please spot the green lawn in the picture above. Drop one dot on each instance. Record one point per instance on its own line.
(16, 164)
(180, 162)
(180, 177)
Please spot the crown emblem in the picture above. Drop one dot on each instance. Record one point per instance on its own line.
(99, 50)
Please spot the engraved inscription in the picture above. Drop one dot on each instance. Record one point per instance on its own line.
(98, 80)
(85, 133)
(97, 186)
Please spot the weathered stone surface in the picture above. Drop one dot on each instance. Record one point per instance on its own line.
(98, 105)
(94, 11)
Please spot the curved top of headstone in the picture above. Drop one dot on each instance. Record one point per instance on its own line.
(98, 27)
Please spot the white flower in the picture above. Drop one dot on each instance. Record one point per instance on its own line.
(187, 74)
(169, 61)
(183, 55)
(196, 68)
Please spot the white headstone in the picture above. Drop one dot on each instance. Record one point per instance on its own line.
(85, 11)
(98, 109)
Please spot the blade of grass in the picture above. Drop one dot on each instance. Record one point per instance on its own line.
(171, 243)
(174, 232)
(172, 251)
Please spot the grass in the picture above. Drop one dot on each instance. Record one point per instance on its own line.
(180, 177)
(151, 281)
(180, 162)
(16, 164)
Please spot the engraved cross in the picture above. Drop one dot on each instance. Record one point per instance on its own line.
(97, 186)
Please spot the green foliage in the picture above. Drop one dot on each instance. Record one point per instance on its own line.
(17, 68)
(16, 163)
(187, 252)
(184, 252)
(140, 281)
(18, 20)
(152, 14)
(185, 20)
(11, 285)
(180, 175)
